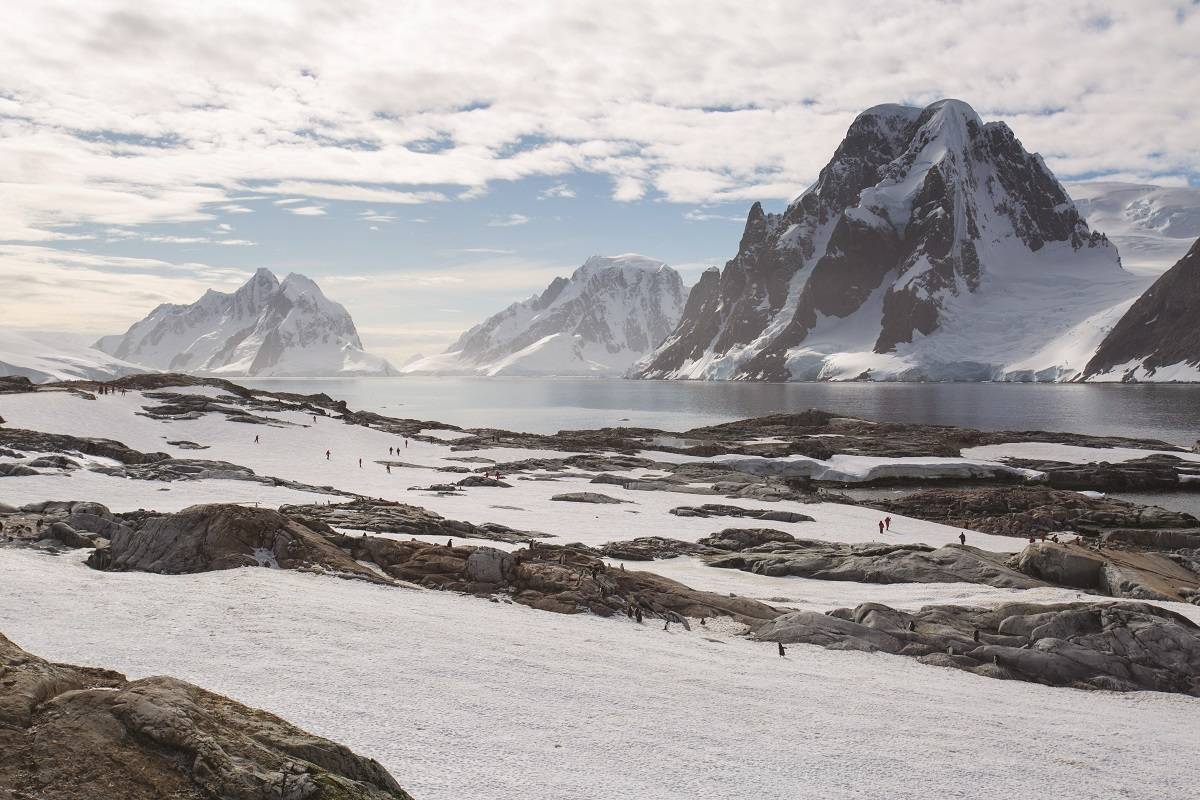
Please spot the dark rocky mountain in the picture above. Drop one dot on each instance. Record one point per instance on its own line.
(1159, 337)
(919, 213)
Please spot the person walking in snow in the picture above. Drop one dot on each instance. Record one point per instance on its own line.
(390, 451)
(962, 538)
(880, 526)
(406, 443)
(256, 438)
(360, 463)
(887, 523)
(326, 455)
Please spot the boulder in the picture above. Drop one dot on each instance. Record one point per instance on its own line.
(1118, 573)
(585, 497)
(77, 733)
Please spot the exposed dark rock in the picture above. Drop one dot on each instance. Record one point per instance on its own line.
(586, 497)
(649, 548)
(480, 480)
(736, 540)
(80, 733)
(35, 441)
(566, 580)
(715, 510)
(384, 516)
(1025, 511)
(1121, 646)
(214, 537)
(16, 471)
(870, 563)
(1118, 573)
(54, 462)
(1159, 330)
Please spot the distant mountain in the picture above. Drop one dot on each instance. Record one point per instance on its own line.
(1152, 225)
(265, 328)
(609, 313)
(1158, 339)
(932, 247)
(43, 359)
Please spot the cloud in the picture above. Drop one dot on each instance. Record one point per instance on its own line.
(308, 211)
(700, 215)
(512, 220)
(169, 113)
(484, 250)
(558, 190)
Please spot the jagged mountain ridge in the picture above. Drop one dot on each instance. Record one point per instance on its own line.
(909, 258)
(1159, 337)
(265, 328)
(609, 313)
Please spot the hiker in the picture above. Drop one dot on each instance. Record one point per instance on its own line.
(256, 438)
(881, 526)
(962, 538)
(406, 443)
(887, 523)
(390, 451)
(782, 651)
(360, 463)
(326, 455)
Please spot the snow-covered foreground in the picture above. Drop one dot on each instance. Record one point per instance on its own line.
(462, 698)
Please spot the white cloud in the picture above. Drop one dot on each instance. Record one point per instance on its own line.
(308, 211)
(700, 215)
(512, 220)
(558, 190)
(626, 189)
(288, 201)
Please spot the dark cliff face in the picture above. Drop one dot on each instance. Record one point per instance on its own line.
(1162, 327)
(902, 208)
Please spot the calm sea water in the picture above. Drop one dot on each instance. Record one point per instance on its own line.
(1167, 412)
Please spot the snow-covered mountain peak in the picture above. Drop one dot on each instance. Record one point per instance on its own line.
(919, 216)
(610, 312)
(263, 328)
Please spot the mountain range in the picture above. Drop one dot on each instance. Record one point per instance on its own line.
(612, 311)
(265, 328)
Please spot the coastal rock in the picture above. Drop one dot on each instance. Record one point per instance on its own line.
(79, 733)
(649, 548)
(1120, 646)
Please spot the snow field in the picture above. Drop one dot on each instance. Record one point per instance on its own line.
(462, 698)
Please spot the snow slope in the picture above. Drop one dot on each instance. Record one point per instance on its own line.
(1152, 225)
(265, 328)
(932, 247)
(462, 698)
(609, 313)
(42, 360)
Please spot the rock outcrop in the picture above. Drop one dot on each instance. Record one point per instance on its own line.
(1117, 646)
(80, 733)
(1117, 573)
(1026, 510)
(566, 580)
(385, 516)
(219, 536)
(866, 563)
(1157, 338)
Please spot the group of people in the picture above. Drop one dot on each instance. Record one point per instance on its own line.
(102, 389)
(885, 524)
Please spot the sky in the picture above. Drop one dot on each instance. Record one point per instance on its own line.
(429, 163)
